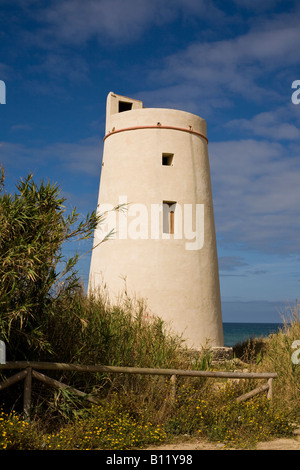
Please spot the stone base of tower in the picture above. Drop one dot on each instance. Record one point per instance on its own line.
(221, 353)
(218, 353)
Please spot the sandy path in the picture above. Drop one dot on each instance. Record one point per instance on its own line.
(292, 443)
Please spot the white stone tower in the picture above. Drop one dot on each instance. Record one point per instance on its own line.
(156, 162)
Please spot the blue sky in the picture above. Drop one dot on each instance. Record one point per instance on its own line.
(232, 62)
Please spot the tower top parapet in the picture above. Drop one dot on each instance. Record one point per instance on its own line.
(118, 104)
(124, 113)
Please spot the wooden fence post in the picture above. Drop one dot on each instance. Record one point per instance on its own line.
(173, 388)
(270, 389)
(27, 392)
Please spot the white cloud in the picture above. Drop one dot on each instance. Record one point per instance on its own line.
(279, 124)
(251, 65)
(256, 195)
(75, 22)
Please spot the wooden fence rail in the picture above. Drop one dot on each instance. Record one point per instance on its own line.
(28, 372)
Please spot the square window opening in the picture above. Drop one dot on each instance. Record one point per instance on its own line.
(167, 159)
(124, 106)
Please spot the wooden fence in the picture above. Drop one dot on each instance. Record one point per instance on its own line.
(27, 371)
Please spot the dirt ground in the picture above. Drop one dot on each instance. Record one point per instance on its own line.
(292, 443)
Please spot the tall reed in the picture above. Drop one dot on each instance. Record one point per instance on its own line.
(279, 356)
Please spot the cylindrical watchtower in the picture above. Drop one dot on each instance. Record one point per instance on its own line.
(156, 161)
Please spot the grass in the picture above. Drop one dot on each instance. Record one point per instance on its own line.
(136, 411)
(221, 419)
(115, 426)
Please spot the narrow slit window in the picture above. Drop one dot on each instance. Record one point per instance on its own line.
(167, 159)
(124, 106)
(169, 217)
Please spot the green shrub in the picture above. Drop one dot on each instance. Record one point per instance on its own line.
(34, 273)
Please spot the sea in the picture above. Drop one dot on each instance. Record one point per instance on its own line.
(239, 332)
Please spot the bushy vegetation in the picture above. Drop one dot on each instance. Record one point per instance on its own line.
(282, 355)
(107, 426)
(34, 274)
(279, 353)
(219, 418)
(16, 433)
(136, 411)
(45, 315)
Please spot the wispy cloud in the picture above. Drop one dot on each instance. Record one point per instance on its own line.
(20, 127)
(256, 195)
(258, 5)
(231, 263)
(60, 65)
(73, 22)
(212, 74)
(82, 157)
